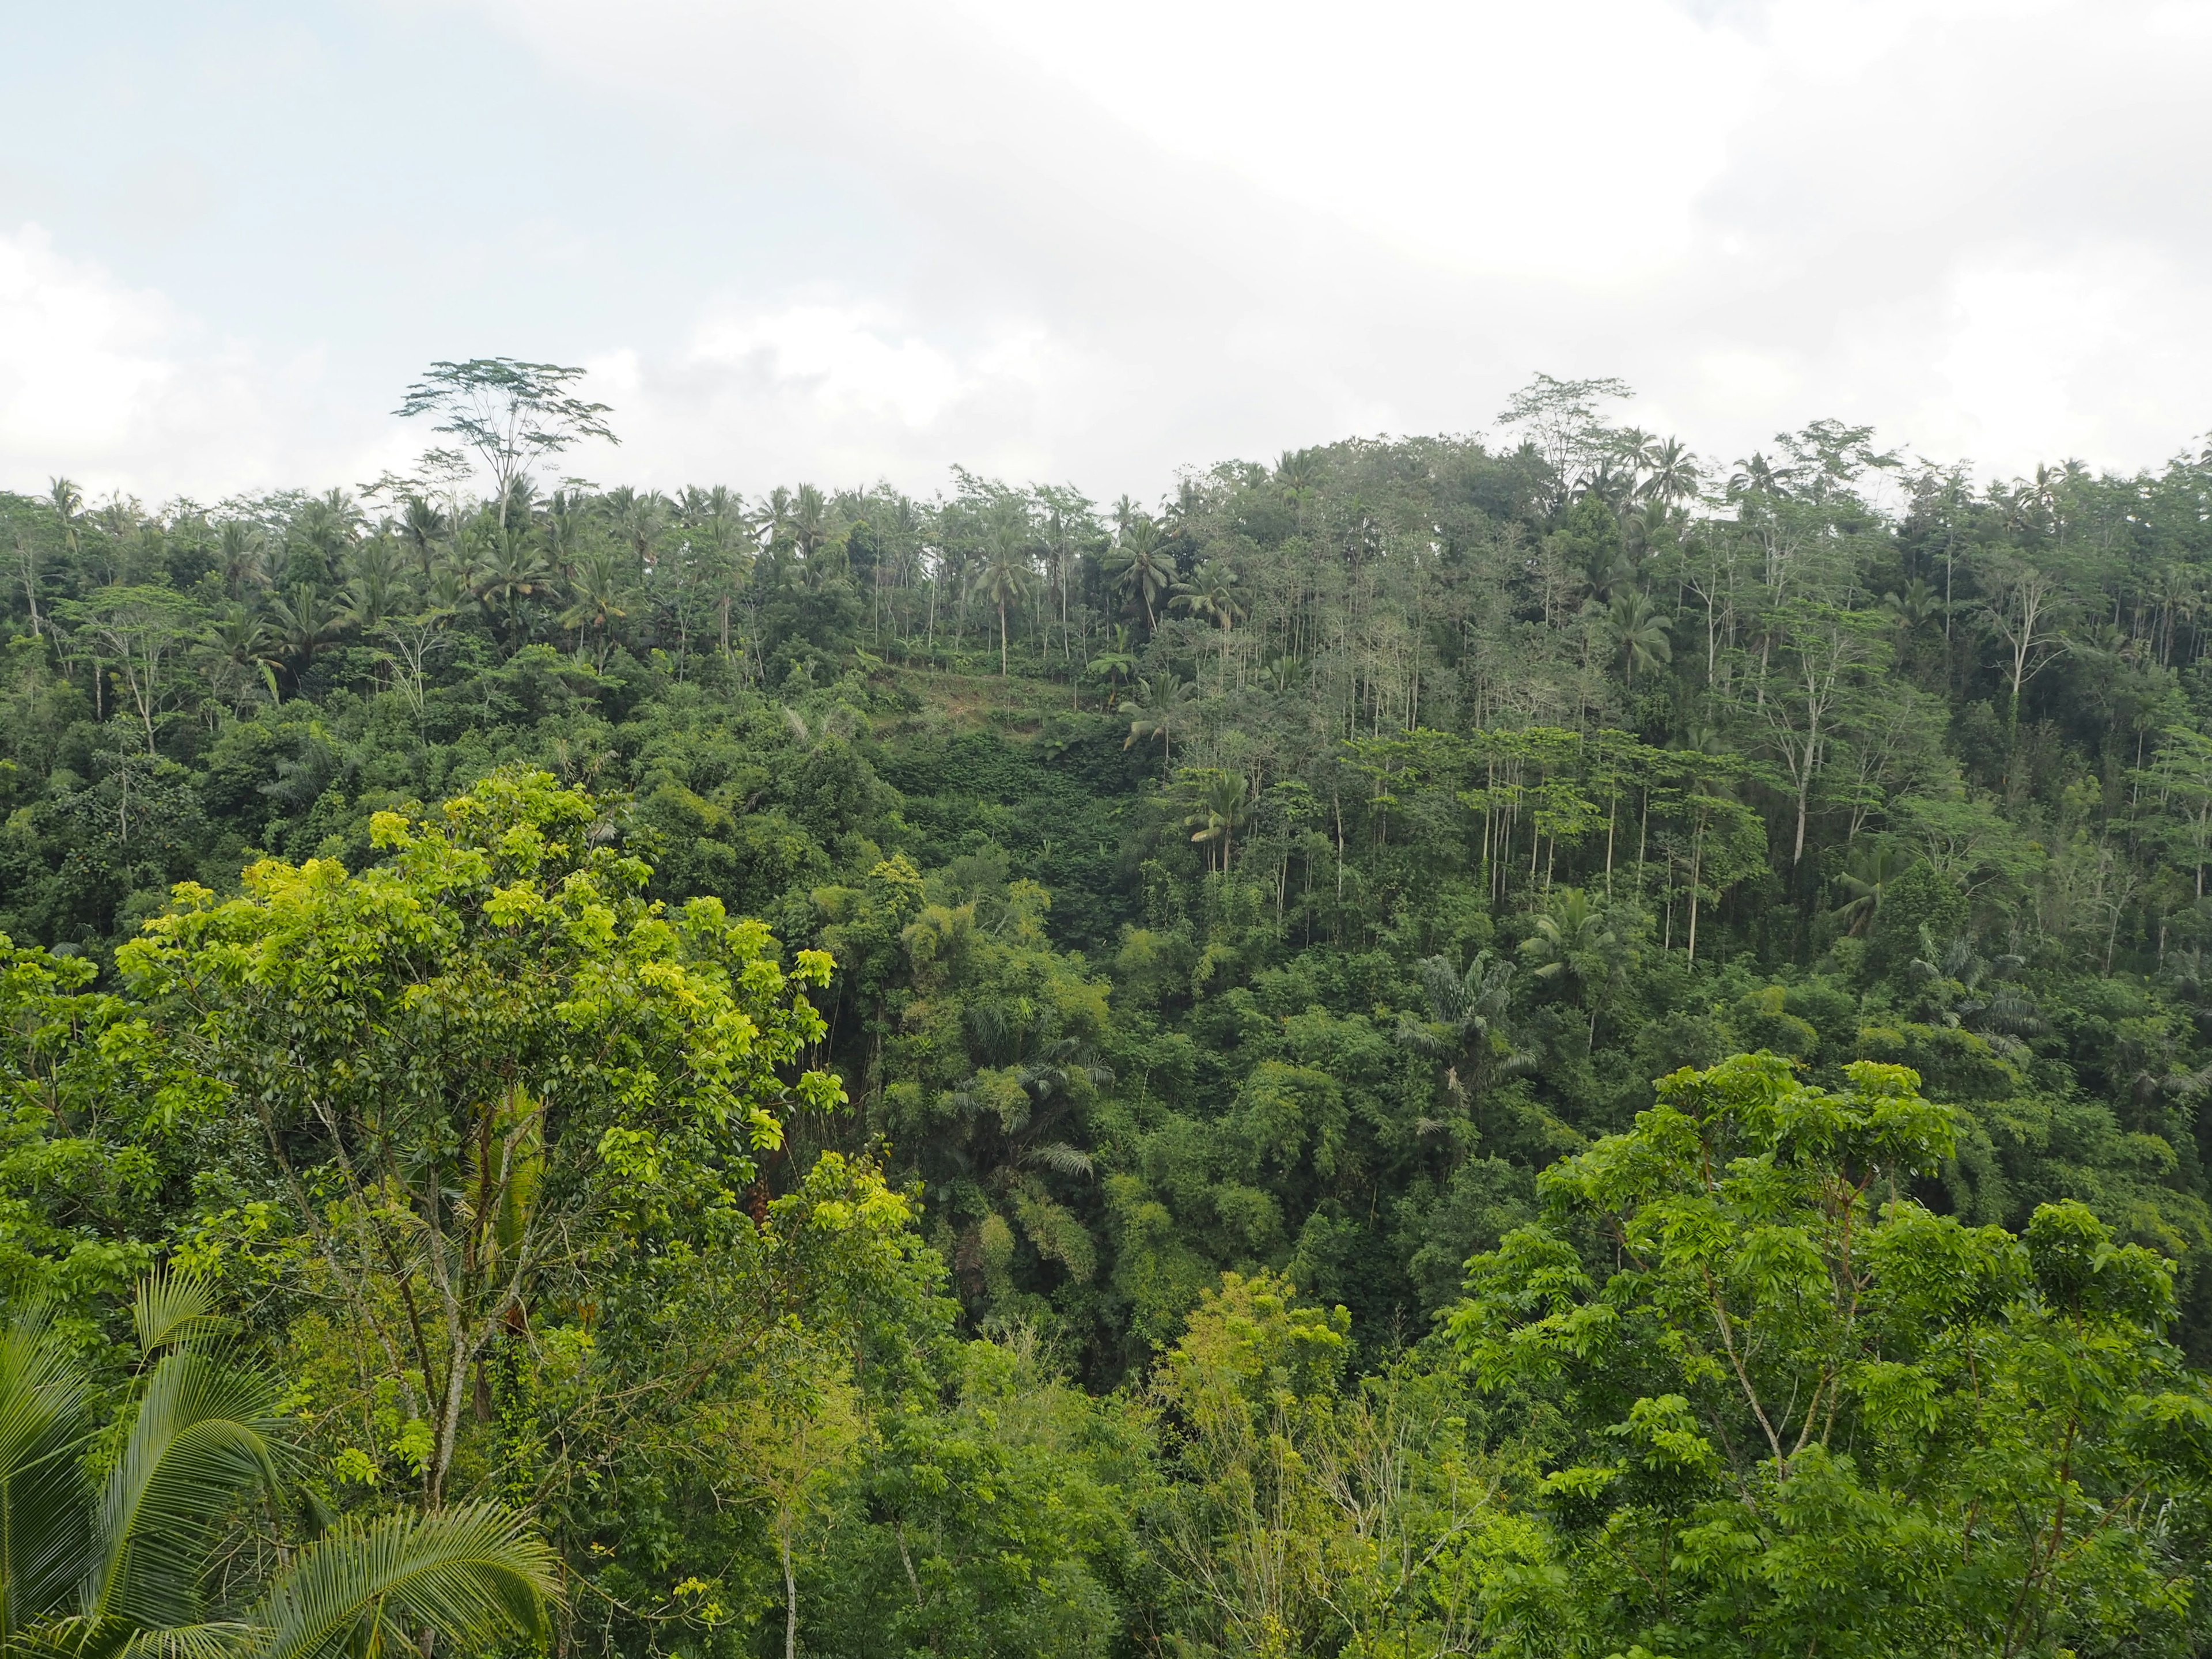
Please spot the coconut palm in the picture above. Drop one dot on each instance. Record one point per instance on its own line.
(809, 520)
(1115, 663)
(1162, 704)
(1865, 885)
(512, 575)
(595, 601)
(304, 622)
(68, 503)
(1008, 578)
(1210, 593)
(1673, 475)
(1572, 941)
(1908, 609)
(1466, 1026)
(125, 1568)
(1638, 632)
(238, 646)
(372, 591)
(1222, 804)
(1142, 564)
(1299, 475)
(243, 552)
(424, 527)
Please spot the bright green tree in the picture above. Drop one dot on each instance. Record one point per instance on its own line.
(470, 1057)
(1798, 1412)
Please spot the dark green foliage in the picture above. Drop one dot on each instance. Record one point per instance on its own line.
(1344, 843)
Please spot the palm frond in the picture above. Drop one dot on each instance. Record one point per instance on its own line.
(205, 1431)
(1061, 1158)
(171, 1308)
(222, 1640)
(45, 1505)
(474, 1575)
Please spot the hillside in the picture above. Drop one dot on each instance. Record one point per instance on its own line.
(1268, 883)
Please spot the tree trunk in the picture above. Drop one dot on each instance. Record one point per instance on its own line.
(790, 1600)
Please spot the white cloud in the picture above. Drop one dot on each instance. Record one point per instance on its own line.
(116, 387)
(842, 359)
(1103, 238)
(1287, 221)
(82, 355)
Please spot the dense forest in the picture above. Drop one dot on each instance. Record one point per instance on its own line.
(1539, 1045)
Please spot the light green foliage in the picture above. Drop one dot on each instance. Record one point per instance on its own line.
(473, 1055)
(1794, 1405)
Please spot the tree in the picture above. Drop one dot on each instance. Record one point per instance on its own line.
(2021, 612)
(1212, 591)
(1800, 1409)
(1826, 644)
(466, 1058)
(139, 629)
(1222, 803)
(1141, 563)
(1466, 1024)
(1559, 417)
(1008, 578)
(1638, 633)
(1163, 703)
(1573, 941)
(1115, 663)
(304, 624)
(129, 1568)
(510, 413)
(1866, 882)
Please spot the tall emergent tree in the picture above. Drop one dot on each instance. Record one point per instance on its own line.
(510, 413)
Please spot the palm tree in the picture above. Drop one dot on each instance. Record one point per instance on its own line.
(1914, 605)
(1210, 593)
(810, 521)
(1007, 579)
(1116, 663)
(1865, 885)
(304, 624)
(1465, 1023)
(240, 643)
(126, 1570)
(513, 572)
(369, 591)
(1299, 474)
(1572, 940)
(1674, 475)
(1961, 987)
(424, 527)
(1223, 802)
(1162, 704)
(595, 597)
(68, 503)
(1142, 563)
(1638, 632)
(245, 555)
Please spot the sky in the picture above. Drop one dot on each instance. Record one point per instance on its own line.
(1097, 241)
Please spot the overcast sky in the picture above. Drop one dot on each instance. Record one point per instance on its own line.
(842, 239)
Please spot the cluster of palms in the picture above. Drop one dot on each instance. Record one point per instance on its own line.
(157, 1525)
(571, 565)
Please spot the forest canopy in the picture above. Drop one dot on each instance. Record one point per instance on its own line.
(1535, 1044)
